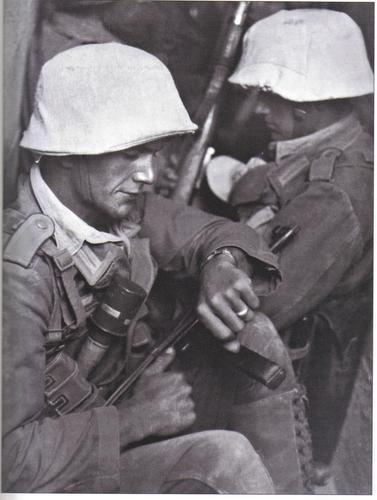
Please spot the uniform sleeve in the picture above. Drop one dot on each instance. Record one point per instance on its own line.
(330, 240)
(77, 452)
(181, 237)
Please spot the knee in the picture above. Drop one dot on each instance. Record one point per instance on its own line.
(238, 452)
(235, 467)
(232, 446)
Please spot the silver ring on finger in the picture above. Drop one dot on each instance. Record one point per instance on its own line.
(243, 313)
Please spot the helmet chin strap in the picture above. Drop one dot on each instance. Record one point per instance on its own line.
(83, 177)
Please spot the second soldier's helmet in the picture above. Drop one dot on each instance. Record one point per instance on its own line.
(101, 98)
(305, 55)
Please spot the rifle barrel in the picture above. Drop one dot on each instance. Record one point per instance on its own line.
(181, 330)
(192, 160)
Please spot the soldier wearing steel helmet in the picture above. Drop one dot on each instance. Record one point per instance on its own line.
(81, 219)
(306, 66)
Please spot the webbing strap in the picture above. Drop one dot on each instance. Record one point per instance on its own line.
(66, 272)
(73, 295)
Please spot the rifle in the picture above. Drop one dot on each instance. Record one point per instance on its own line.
(192, 164)
(253, 364)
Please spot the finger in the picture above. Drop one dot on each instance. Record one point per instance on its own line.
(161, 363)
(187, 404)
(249, 316)
(237, 305)
(179, 384)
(249, 297)
(188, 418)
(214, 324)
(223, 310)
(232, 346)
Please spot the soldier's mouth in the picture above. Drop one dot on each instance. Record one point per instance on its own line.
(129, 194)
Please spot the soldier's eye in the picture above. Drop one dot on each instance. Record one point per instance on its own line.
(131, 154)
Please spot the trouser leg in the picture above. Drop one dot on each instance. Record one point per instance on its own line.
(329, 381)
(221, 461)
(192, 486)
(274, 421)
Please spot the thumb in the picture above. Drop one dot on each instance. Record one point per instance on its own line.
(162, 362)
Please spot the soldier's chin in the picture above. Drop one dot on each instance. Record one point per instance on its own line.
(125, 210)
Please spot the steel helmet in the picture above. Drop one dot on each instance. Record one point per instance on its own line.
(101, 98)
(305, 55)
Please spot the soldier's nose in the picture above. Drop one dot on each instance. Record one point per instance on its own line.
(145, 173)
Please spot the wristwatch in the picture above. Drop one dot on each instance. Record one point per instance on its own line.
(220, 251)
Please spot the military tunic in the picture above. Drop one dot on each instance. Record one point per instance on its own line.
(80, 451)
(322, 183)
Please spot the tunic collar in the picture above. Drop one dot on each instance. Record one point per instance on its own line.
(338, 135)
(70, 230)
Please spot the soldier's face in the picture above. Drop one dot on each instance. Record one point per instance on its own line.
(278, 115)
(110, 183)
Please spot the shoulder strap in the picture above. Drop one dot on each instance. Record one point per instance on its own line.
(290, 179)
(28, 237)
(322, 167)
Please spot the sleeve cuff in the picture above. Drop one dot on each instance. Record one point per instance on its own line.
(108, 479)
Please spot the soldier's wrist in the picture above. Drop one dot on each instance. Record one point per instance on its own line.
(130, 428)
(233, 255)
(243, 261)
(219, 253)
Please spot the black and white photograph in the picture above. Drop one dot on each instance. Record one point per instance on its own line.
(187, 277)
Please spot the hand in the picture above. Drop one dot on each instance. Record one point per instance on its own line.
(166, 180)
(225, 290)
(161, 404)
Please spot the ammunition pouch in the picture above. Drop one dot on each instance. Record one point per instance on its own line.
(66, 390)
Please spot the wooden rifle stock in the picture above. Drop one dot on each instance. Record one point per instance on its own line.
(192, 160)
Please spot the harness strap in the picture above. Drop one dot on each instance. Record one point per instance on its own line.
(66, 271)
(54, 335)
